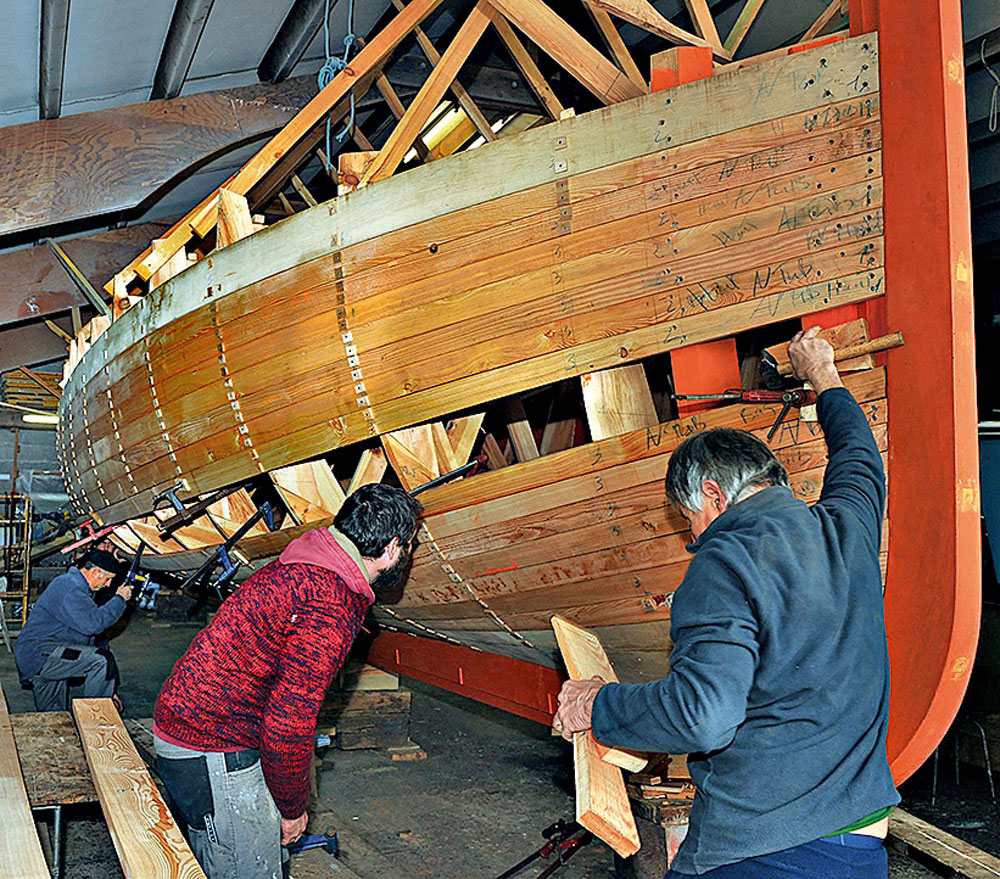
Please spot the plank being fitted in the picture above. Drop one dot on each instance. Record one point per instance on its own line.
(705, 238)
(20, 851)
(237, 246)
(146, 837)
(245, 330)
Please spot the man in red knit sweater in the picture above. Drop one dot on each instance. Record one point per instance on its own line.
(235, 721)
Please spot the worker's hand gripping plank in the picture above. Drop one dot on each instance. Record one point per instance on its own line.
(601, 801)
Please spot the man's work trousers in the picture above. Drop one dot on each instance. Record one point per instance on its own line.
(71, 664)
(233, 825)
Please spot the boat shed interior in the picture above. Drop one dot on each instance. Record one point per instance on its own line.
(266, 265)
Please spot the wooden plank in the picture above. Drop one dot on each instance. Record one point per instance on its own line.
(836, 9)
(701, 15)
(54, 767)
(617, 401)
(234, 218)
(20, 851)
(642, 14)
(429, 96)
(370, 469)
(741, 26)
(947, 853)
(147, 839)
(566, 46)
(167, 267)
(519, 429)
(42, 383)
(398, 110)
(458, 90)
(601, 801)
(585, 659)
(310, 490)
(462, 434)
(526, 64)
(361, 676)
(616, 45)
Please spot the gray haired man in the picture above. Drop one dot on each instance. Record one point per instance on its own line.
(779, 676)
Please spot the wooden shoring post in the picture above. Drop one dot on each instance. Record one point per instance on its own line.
(617, 400)
(928, 247)
(643, 15)
(571, 50)
(519, 430)
(526, 64)
(235, 221)
(835, 10)
(396, 106)
(429, 96)
(370, 469)
(286, 205)
(302, 190)
(59, 331)
(201, 219)
(701, 15)
(361, 140)
(458, 90)
(616, 45)
(741, 27)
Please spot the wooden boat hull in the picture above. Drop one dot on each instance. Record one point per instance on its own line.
(752, 198)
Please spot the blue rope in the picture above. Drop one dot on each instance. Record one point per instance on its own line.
(332, 67)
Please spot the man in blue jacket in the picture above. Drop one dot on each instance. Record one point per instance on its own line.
(57, 643)
(779, 676)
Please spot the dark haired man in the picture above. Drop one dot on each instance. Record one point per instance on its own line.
(56, 645)
(779, 677)
(235, 720)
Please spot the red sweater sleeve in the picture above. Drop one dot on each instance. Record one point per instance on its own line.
(314, 652)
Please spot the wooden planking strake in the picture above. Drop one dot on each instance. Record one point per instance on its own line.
(163, 443)
(20, 851)
(147, 839)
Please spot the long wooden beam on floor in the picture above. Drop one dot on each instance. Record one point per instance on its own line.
(20, 850)
(147, 839)
(944, 853)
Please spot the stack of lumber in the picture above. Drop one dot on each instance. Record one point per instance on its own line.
(33, 389)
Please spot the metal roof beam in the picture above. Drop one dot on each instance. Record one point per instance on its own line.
(297, 31)
(186, 27)
(52, 57)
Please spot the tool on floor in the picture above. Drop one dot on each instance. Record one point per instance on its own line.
(773, 374)
(562, 839)
(797, 397)
(327, 841)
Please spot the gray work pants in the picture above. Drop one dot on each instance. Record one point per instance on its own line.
(233, 825)
(50, 686)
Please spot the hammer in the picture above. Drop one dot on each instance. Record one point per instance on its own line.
(773, 373)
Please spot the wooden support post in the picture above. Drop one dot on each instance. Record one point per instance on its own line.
(147, 839)
(462, 433)
(167, 268)
(571, 50)
(642, 14)
(837, 9)
(20, 851)
(701, 15)
(617, 400)
(235, 221)
(59, 331)
(429, 96)
(560, 426)
(494, 454)
(457, 89)
(302, 190)
(351, 169)
(526, 64)
(396, 106)
(741, 26)
(616, 45)
(521, 435)
(602, 804)
(370, 469)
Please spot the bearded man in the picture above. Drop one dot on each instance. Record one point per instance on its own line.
(235, 721)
